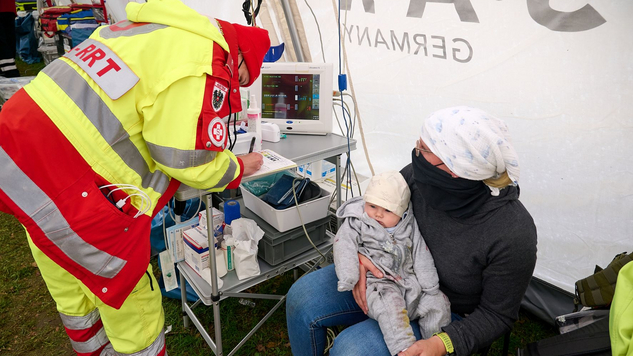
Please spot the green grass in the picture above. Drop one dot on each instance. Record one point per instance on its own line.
(30, 324)
(29, 69)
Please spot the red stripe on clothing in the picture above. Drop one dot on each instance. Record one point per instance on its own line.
(162, 351)
(171, 190)
(236, 182)
(44, 154)
(116, 26)
(84, 334)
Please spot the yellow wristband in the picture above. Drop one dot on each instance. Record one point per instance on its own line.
(446, 340)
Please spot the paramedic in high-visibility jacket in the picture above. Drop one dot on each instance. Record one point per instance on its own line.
(98, 142)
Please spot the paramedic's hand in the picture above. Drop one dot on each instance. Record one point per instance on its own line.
(360, 288)
(429, 347)
(252, 163)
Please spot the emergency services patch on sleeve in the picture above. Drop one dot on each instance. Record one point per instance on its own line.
(219, 94)
(217, 133)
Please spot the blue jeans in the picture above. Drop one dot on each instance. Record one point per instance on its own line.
(313, 304)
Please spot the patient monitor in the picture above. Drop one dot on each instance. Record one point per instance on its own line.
(296, 96)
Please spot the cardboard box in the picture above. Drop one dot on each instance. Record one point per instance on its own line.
(196, 248)
(317, 170)
(218, 222)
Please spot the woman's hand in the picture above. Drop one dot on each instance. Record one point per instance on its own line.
(429, 347)
(360, 288)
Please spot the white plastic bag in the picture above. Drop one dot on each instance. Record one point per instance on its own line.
(246, 236)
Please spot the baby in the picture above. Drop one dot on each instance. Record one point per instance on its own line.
(381, 226)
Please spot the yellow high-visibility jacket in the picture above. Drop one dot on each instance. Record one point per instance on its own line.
(621, 314)
(124, 116)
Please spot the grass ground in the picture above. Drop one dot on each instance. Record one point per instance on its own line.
(30, 325)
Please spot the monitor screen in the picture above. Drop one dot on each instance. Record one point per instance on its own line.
(290, 95)
(296, 96)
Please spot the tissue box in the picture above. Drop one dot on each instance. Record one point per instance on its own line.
(317, 170)
(286, 219)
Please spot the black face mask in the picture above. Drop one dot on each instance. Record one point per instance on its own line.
(458, 197)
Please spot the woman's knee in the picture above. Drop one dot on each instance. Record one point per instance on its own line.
(306, 293)
(355, 346)
(361, 339)
(299, 297)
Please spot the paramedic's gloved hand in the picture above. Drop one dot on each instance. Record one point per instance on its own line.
(252, 163)
(429, 347)
(360, 289)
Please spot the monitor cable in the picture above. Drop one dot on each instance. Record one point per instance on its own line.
(294, 193)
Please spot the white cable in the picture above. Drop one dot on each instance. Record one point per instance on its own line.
(186, 222)
(351, 86)
(171, 212)
(146, 202)
(165, 231)
(294, 193)
(318, 29)
(198, 209)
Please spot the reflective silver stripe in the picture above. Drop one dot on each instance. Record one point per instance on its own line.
(105, 122)
(80, 322)
(91, 345)
(152, 350)
(107, 32)
(8, 68)
(180, 159)
(39, 207)
(5, 61)
(228, 175)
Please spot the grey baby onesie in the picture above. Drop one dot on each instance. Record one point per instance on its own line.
(410, 287)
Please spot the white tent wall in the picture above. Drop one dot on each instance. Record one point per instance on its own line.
(560, 76)
(558, 72)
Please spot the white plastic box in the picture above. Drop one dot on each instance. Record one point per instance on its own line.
(286, 219)
(317, 170)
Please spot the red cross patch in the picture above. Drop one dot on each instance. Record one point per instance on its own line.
(217, 132)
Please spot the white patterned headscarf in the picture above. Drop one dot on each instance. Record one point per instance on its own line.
(472, 143)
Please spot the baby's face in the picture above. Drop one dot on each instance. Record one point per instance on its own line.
(385, 217)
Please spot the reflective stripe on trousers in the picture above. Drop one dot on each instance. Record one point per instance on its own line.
(157, 348)
(88, 337)
(86, 333)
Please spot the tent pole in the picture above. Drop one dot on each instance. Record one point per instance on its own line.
(293, 30)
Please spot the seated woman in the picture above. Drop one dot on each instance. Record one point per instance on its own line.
(463, 180)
